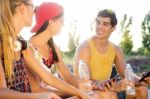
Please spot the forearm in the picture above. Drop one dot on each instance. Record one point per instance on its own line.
(10, 94)
(136, 79)
(60, 84)
(73, 80)
(66, 74)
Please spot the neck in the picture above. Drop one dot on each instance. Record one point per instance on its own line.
(102, 42)
(18, 26)
(41, 39)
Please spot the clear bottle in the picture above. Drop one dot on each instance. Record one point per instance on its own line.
(130, 90)
(84, 83)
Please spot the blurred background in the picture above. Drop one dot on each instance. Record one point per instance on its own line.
(132, 32)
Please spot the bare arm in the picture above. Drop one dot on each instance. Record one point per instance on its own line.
(48, 78)
(64, 70)
(119, 61)
(83, 52)
(10, 94)
(6, 93)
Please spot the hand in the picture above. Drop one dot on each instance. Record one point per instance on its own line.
(105, 85)
(95, 85)
(50, 95)
(122, 84)
(112, 85)
(146, 81)
(84, 95)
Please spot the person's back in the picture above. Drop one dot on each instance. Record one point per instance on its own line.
(14, 83)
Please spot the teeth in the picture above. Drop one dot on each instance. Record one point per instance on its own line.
(100, 32)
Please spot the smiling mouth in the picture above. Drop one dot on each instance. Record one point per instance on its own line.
(99, 32)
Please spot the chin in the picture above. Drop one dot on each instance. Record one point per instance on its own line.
(99, 36)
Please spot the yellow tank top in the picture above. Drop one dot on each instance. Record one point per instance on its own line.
(101, 64)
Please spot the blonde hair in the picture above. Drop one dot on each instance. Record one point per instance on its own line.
(7, 31)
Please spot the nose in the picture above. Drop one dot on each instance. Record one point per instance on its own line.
(62, 21)
(99, 26)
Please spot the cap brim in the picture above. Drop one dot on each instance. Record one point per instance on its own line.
(35, 28)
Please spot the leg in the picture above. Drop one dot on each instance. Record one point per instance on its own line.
(74, 97)
(104, 95)
(141, 93)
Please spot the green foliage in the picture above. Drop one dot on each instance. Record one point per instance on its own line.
(143, 51)
(146, 32)
(126, 41)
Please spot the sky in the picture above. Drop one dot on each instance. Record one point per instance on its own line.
(84, 12)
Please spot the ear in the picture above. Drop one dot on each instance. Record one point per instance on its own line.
(50, 22)
(21, 8)
(113, 28)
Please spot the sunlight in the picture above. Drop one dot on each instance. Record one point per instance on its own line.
(84, 12)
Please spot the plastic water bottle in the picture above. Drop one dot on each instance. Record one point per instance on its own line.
(84, 83)
(130, 90)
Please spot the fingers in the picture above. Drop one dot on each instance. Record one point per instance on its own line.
(121, 85)
(95, 84)
(109, 84)
(54, 96)
(105, 85)
(147, 80)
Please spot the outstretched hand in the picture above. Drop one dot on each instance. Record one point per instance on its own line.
(146, 81)
(111, 85)
(105, 85)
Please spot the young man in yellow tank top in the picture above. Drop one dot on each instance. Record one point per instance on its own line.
(100, 54)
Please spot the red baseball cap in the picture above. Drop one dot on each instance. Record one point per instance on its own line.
(46, 11)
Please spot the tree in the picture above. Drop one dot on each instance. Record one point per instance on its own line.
(126, 40)
(73, 40)
(146, 33)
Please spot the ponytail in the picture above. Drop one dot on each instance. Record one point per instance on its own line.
(51, 45)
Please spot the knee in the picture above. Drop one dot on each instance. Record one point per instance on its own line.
(142, 91)
(95, 96)
(104, 95)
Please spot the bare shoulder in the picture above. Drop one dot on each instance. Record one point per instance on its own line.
(0, 49)
(117, 49)
(84, 46)
(28, 53)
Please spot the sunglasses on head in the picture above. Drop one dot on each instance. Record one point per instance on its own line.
(33, 6)
(28, 4)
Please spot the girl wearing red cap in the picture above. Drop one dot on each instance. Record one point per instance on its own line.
(14, 83)
(43, 53)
